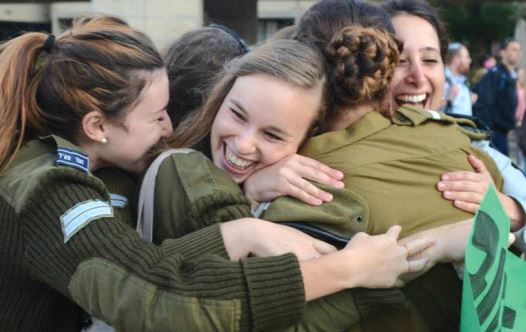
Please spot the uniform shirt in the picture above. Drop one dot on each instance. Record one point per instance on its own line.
(392, 168)
(62, 247)
(462, 102)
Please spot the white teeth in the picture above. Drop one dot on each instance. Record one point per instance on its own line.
(236, 162)
(412, 98)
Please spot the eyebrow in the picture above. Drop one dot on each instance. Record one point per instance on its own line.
(428, 48)
(271, 127)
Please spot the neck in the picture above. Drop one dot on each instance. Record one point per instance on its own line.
(454, 70)
(508, 66)
(94, 160)
(349, 115)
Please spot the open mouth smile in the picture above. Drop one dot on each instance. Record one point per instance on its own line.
(236, 163)
(413, 99)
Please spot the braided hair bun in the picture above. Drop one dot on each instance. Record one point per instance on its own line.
(361, 62)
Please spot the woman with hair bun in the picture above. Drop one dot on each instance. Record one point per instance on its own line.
(392, 161)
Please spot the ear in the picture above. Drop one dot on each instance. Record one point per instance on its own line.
(95, 126)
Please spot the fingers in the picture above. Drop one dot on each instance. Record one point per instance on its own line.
(416, 265)
(307, 192)
(417, 246)
(394, 231)
(314, 170)
(322, 168)
(323, 247)
(467, 206)
(477, 164)
(462, 176)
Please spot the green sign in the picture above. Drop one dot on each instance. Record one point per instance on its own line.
(494, 292)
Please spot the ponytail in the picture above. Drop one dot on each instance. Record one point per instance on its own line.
(18, 87)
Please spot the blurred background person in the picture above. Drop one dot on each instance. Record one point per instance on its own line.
(497, 91)
(459, 97)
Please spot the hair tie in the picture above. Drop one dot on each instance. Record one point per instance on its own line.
(48, 44)
(240, 42)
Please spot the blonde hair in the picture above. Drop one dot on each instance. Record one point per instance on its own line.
(287, 60)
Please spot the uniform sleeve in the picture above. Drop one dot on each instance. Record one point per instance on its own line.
(132, 285)
(191, 193)
(345, 215)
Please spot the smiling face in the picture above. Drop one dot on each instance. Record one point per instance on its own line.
(130, 140)
(261, 120)
(419, 77)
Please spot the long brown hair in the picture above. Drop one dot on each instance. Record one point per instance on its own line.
(287, 60)
(97, 65)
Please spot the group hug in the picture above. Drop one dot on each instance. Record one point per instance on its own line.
(307, 183)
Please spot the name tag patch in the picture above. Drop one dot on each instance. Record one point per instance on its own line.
(73, 159)
(82, 214)
(117, 200)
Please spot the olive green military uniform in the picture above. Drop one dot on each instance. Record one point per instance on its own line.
(63, 248)
(391, 171)
(187, 178)
(189, 188)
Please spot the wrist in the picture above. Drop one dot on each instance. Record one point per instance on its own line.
(513, 210)
(235, 241)
(326, 275)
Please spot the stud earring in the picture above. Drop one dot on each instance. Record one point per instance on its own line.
(104, 140)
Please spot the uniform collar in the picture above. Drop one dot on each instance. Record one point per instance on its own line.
(369, 124)
(68, 154)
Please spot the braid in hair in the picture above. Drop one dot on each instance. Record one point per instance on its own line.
(361, 62)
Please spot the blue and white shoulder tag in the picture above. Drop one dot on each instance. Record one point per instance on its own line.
(74, 219)
(117, 200)
(72, 158)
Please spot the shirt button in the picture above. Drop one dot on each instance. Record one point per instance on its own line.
(359, 220)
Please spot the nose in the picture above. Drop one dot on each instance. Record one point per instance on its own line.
(246, 142)
(166, 125)
(416, 74)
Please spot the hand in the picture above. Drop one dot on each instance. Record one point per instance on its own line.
(382, 259)
(466, 190)
(474, 98)
(262, 238)
(449, 242)
(290, 177)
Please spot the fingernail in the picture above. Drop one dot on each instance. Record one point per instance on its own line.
(447, 193)
(445, 177)
(441, 185)
(339, 184)
(327, 197)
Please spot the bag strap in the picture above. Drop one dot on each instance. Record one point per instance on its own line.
(147, 193)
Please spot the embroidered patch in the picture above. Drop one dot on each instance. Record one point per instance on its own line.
(117, 200)
(82, 214)
(72, 158)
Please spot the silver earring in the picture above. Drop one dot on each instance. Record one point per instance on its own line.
(104, 140)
